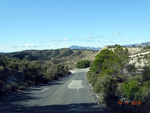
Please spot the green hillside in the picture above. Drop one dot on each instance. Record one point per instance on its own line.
(16, 74)
(115, 80)
(63, 56)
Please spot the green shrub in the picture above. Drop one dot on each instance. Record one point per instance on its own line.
(13, 65)
(56, 71)
(97, 87)
(29, 83)
(66, 69)
(2, 72)
(83, 64)
(147, 83)
(108, 99)
(14, 86)
(130, 88)
(146, 74)
(99, 59)
(92, 77)
(2, 60)
(7, 88)
(1, 84)
(105, 84)
(21, 87)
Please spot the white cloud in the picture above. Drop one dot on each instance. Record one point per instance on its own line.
(116, 33)
(66, 39)
(78, 39)
(57, 40)
(100, 36)
(94, 37)
(60, 40)
(107, 41)
(29, 45)
(90, 37)
(15, 46)
(23, 45)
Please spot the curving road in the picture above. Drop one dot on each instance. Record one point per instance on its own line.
(70, 94)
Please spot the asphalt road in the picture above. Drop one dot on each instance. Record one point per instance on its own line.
(70, 94)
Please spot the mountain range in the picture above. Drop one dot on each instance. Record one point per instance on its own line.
(83, 47)
(141, 44)
(98, 48)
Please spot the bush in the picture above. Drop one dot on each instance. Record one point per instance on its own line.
(56, 71)
(105, 84)
(92, 77)
(83, 64)
(7, 88)
(13, 65)
(2, 60)
(108, 99)
(21, 87)
(146, 74)
(1, 84)
(14, 86)
(29, 83)
(2, 72)
(147, 83)
(131, 88)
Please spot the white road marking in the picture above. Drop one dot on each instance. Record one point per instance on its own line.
(45, 89)
(75, 84)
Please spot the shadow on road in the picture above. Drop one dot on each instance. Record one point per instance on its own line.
(70, 108)
(22, 104)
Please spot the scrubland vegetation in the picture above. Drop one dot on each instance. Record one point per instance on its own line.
(16, 74)
(113, 74)
(83, 64)
(19, 70)
(114, 79)
(65, 56)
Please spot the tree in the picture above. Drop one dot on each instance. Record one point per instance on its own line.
(83, 64)
(146, 73)
(99, 59)
(133, 46)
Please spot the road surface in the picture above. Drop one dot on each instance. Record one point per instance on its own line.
(70, 94)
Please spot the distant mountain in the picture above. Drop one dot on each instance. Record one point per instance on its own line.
(145, 44)
(83, 47)
(141, 44)
(130, 45)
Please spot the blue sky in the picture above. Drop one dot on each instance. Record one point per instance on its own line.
(51, 24)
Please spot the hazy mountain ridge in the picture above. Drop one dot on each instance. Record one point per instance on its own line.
(140, 44)
(83, 47)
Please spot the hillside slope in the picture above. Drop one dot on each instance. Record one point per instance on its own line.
(63, 56)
